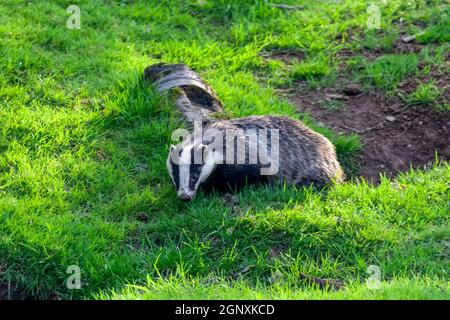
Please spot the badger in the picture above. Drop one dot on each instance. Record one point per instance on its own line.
(228, 154)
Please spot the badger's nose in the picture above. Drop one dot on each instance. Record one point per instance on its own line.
(185, 197)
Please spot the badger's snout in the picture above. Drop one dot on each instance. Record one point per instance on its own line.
(184, 197)
(187, 172)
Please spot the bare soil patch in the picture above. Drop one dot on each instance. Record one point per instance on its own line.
(398, 47)
(395, 136)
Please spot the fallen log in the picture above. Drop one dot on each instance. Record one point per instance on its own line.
(195, 98)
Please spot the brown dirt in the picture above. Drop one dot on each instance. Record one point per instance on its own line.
(401, 47)
(398, 47)
(394, 136)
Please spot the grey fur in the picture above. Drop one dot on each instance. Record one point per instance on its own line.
(305, 157)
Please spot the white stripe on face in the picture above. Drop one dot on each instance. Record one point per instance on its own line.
(184, 165)
(169, 169)
(206, 169)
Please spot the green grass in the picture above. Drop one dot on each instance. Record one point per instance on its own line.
(309, 70)
(425, 93)
(83, 141)
(181, 288)
(439, 30)
(378, 41)
(387, 71)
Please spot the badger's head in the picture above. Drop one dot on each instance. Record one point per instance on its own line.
(189, 165)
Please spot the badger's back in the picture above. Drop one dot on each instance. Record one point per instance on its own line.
(305, 157)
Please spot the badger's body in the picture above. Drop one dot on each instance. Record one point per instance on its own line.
(290, 153)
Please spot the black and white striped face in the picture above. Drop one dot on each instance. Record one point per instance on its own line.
(189, 166)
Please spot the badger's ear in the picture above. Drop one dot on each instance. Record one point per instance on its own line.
(209, 140)
(172, 148)
(202, 147)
